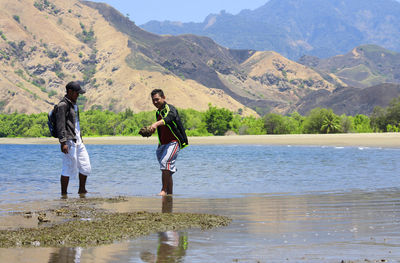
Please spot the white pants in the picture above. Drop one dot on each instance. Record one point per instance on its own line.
(76, 161)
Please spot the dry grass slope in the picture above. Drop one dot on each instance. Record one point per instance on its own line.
(49, 48)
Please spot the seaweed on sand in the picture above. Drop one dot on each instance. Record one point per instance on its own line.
(83, 224)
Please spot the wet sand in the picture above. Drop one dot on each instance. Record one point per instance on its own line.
(356, 226)
(79, 222)
(391, 140)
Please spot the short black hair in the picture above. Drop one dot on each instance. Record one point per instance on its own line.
(157, 91)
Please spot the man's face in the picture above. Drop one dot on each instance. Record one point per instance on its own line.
(158, 101)
(72, 95)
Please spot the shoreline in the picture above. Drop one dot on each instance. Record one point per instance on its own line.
(385, 140)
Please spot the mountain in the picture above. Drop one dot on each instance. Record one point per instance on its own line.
(372, 76)
(350, 101)
(364, 66)
(293, 28)
(277, 82)
(44, 44)
(190, 57)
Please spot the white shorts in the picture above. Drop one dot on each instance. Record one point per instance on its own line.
(166, 156)
(76, 161)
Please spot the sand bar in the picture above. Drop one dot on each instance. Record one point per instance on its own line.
(389, 140)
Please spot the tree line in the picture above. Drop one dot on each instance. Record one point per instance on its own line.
(214, 121)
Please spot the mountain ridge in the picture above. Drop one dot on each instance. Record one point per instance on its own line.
(351, 101)
(45, 44)
(294, 29)
(363, 66)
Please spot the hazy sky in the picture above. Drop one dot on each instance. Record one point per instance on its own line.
(179, 10)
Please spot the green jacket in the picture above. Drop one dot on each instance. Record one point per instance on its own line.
(170, 116)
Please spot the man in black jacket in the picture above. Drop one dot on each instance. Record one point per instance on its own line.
(75, 156)
(172, 138)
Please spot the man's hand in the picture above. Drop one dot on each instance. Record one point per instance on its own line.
(154, 126)
(64, 147)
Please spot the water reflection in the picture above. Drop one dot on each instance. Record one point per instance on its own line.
(169, 246)
(66, 255)
(172, 245)
(167, 204)
(354, 226)
(172, 248)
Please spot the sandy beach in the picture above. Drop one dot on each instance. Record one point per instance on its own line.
(390, 140)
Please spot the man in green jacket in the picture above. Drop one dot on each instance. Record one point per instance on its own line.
(172, 138)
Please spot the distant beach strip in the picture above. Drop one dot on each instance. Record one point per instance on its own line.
(385, 140)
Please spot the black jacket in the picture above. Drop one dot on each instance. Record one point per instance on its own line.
(171, 119)
(66, 120)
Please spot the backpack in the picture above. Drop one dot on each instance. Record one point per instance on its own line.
(52, 121)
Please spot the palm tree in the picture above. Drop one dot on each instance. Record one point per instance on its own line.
(331, 123)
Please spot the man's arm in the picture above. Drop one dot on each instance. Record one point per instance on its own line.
(154, 126)
(61, 129)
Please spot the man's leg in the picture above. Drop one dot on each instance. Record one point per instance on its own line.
(83, 163)
(170, 183)
(167, 184)
(167, 181)
(69, 167)
(164, 183)
(166, 155)
(82, 184)
(64, 184)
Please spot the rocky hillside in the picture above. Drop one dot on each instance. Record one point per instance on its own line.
(322, 28)
(44, 44)
(350, 101)
(364, 66)
(278, 82)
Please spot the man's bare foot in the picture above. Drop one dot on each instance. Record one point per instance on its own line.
(162, 193)
(82, 191)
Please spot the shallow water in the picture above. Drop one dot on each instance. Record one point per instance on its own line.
(292, 204)
(31, 172)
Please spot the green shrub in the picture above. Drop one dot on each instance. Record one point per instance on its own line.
(217, 120)
(16, 18)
